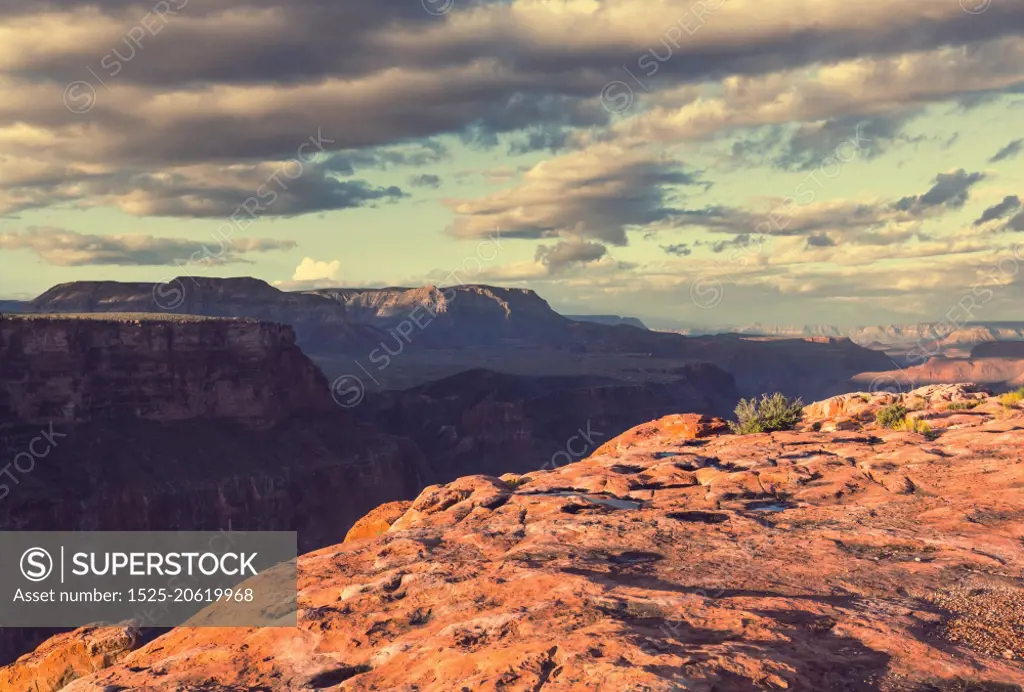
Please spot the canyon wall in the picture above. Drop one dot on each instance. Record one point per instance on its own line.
(75, 370)
(488, 422)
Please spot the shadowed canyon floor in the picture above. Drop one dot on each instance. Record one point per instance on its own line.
(840, 556)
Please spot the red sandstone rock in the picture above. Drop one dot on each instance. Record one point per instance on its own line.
(68, 656)
(795, 560)
(686, 426)
(377, 521)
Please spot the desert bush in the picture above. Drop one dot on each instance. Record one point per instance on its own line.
(891, 416)
(773, 412)
(1011, 399)
(914, 425)
(916, 404)
(962, 405)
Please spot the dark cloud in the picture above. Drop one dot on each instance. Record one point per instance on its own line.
(820, 240)
(566, 253)
(550, 138)
(269, 189)
(423, 153)
(740, 241)
(949, 189)
(65, 248)
(1010, 204)
(835, 141)
(678, 249)
(1016, 223)
(1009, 151)
(425, 180)
(599, 194)
(246, 81)
(829, 223)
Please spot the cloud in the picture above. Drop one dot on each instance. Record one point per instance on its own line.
(312, 270)
(425, 180)
(598, 193)
(1016, 223)
(949, 190)
(270, 188)
(1009, 151)
(565, 253)
(66, 248)
(825, 224)
(812, 145)
(260, 76)
(677, 249)
(884, 90)
(1009, 204)
(423, 153)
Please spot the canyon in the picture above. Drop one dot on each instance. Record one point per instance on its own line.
(226, 413)
(125, 421)
(840, 555)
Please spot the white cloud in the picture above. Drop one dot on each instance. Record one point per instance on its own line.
(311, 270)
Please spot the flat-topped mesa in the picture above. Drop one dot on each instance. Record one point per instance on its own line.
(73, 369)
(466, 313)
(316, 319)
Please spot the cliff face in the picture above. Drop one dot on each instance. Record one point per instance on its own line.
(677, 557)
(487, 422)
(75, 370)
(812, 368)
(179, 423)
(156, 423)
(458, 315)
(999, 349)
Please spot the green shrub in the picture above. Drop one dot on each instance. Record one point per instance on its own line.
(891, 416)
(962, 405)
(774, 412)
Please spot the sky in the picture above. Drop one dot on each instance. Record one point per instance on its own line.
(690, 162)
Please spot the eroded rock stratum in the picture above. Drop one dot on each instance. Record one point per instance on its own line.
(851, 559)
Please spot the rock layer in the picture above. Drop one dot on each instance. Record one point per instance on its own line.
(156, 368)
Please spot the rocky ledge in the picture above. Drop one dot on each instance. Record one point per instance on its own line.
(678, 557)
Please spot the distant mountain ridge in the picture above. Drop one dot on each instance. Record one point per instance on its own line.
(927, 337)
(609, 320)
(415, 335)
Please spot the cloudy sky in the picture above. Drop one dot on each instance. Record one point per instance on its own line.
(687, 161)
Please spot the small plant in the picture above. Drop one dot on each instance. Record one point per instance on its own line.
(914, 425)
(891, 416)
(962, 405)
(1011, 399)
(915, 404)
(774, 412)
(515, 481)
